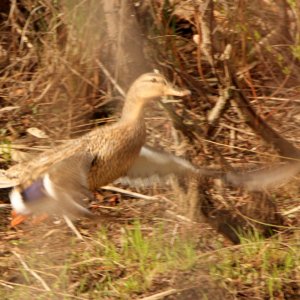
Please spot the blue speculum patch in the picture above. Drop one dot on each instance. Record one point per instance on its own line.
(35, 192)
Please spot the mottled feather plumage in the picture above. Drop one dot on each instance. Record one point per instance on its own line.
(71, 171)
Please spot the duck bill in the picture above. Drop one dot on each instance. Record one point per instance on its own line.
(172, 91)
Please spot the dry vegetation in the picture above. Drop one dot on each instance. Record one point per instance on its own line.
(241, 60)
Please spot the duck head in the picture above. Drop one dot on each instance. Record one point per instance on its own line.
(154, 85)
(148, 87)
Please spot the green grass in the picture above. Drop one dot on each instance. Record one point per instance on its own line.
(105, 266)
(268, 266)
(131, 265)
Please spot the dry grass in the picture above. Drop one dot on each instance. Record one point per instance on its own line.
(50, 80)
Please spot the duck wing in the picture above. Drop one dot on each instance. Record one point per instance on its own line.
(153, 165)
(265, 178)
(61, 189)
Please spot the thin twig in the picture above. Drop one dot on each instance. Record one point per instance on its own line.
(11, 284)
(291, 211)
(220, 106)
(160, 295)
(67, 64)
(72, 227)
(179, 217)
(112, 80)
(33, 273)
(129, 193)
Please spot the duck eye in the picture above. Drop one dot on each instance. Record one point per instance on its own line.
(153, 80)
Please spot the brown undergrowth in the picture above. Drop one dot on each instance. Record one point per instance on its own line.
(51, 80)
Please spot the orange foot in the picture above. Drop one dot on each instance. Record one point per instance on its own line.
(17, 219)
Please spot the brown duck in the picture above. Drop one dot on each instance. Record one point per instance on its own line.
(60, 178)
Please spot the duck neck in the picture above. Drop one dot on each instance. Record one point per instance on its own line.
(133, 110)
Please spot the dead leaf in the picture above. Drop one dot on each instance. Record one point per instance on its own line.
(37, 133)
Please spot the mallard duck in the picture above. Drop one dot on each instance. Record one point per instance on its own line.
(151, 166)
(60, 178)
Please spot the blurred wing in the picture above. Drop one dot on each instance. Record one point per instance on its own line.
(67, 183)
(152, 162)
(62, 189)
(262, 179)
(152, 166)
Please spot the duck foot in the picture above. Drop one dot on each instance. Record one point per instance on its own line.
(18, 219)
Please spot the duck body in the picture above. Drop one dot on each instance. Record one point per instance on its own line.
(112, 159)
(59, 179)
